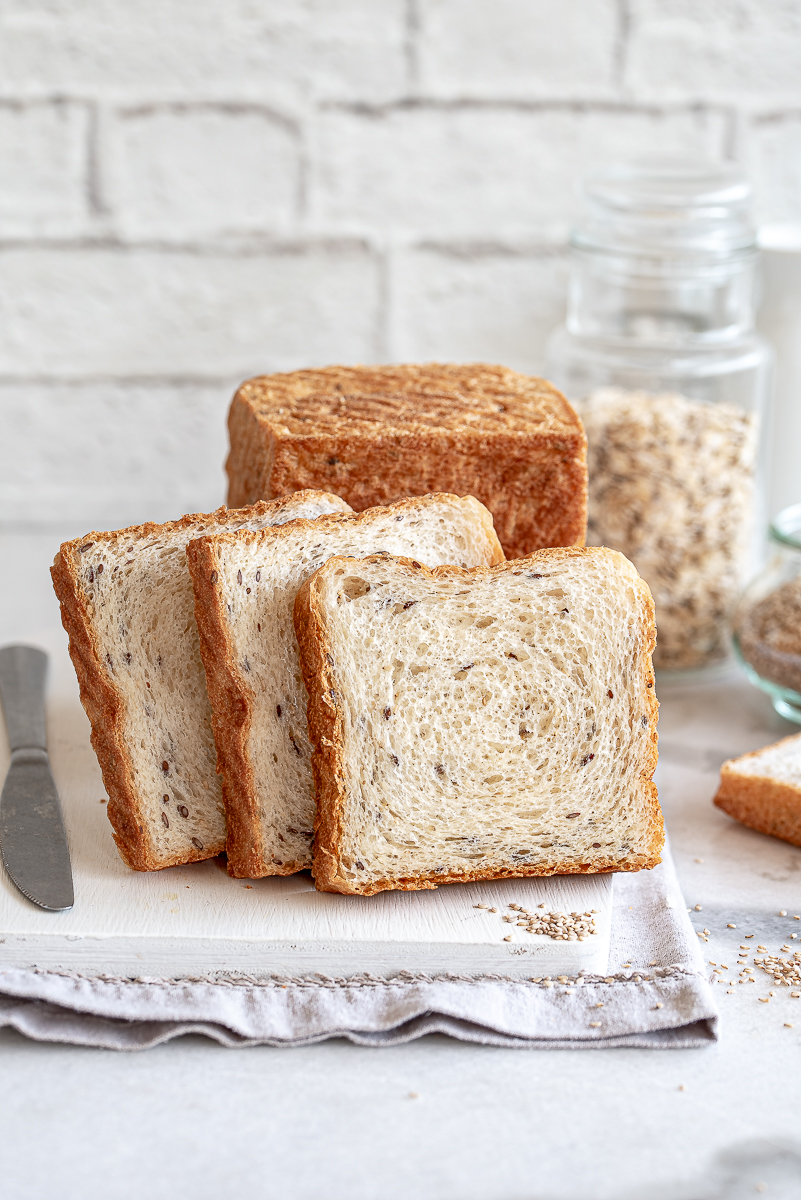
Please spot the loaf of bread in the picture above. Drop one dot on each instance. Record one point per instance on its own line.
(763, 789)
(377, 434)
(245, 587)
(478, 724)
(128, 607)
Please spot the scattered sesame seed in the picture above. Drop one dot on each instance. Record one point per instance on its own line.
(730, 926)
(763, 1000)
(788, 1024)
(699, 860)
(783, 912)
(414, 1095)
(508, 939)
(600, 1004)
(595, 1024)
(682, 1088)
(796, 995)
(698, 908)
(659, 1004)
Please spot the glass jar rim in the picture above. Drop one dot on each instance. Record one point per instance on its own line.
(786, 527)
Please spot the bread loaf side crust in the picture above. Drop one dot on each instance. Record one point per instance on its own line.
(102, 705)
(232, 699)
(533, 479)
(231, 707)
(102, 700)
(326, 734)
(764, 804)
(251, 457)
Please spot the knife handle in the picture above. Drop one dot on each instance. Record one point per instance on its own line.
(22, 693)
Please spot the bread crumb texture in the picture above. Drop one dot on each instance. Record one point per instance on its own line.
(260, 702)
(672, 488)
(480, 724)
(377, 434)
(127, 604)
(763, 789)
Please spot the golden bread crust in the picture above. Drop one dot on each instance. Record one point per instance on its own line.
(764, 804)
(326, 731)
(377, 434)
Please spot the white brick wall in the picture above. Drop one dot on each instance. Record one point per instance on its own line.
(194, 192)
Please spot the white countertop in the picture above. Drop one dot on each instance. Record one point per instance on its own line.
(438, 1118)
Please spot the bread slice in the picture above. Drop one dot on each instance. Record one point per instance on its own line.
(245, 588)
(763, 789)
(128, 607)
(480, 724)
(377, 434)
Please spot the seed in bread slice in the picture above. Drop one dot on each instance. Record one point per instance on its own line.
(763, 789)
(480, 724)
(377, 434)
(245, 587)
(128, 607)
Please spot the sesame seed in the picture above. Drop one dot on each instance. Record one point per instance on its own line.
(600, 1004)
(788, 1024)
(508, 939)
(783, 912)
(698, 908)
(699, 860)
(659, 1004)
(653, 963)
(682, 1088)
(413, 1095)
(595, 1024)
(763, 1000)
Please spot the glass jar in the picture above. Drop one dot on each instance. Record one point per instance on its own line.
(766, 627)
(660, 357)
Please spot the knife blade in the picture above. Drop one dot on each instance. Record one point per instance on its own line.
(33, 840)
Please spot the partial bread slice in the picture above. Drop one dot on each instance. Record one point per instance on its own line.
(377, 434)
(245, 588)
(763, 789)
(480, 724)
(128, 607)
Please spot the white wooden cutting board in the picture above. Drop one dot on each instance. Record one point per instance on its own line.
(195, 920)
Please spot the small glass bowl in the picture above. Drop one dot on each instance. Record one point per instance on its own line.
(766, 628)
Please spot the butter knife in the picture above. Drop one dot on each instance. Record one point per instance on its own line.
(33, 840)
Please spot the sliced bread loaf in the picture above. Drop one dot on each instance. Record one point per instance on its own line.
(128, 607)
(245, 588)
(763, 789)
(377, 434)
(480, 724)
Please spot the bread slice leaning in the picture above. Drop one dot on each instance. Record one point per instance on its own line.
(128, 607)
(245, 587)
(477, 724)
(763, 789)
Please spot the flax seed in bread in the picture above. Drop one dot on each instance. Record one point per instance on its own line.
(376, 434)
(128, 607)
(479, 724)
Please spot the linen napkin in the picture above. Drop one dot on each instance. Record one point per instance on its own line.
(655, 994)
